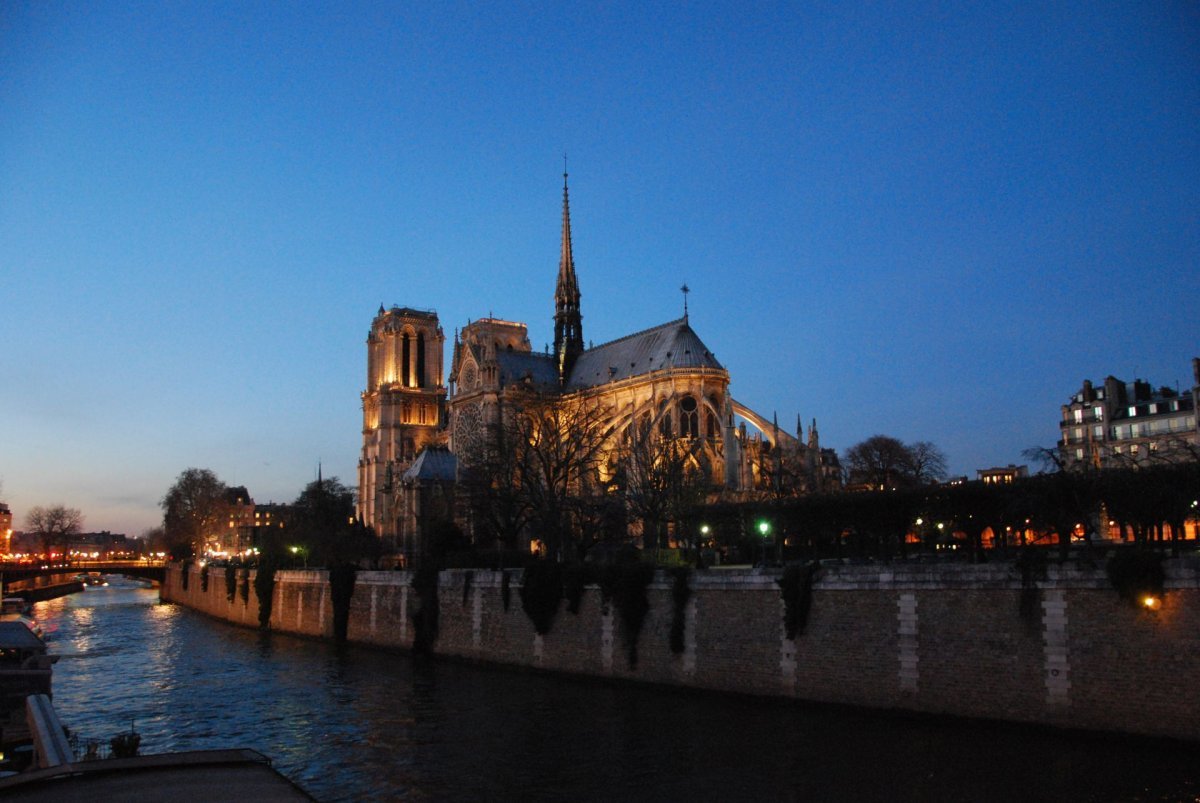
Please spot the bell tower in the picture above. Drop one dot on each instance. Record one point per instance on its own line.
(404, 408)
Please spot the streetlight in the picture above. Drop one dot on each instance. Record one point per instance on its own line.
(764, 529)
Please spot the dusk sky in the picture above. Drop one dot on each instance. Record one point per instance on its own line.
(929, 223)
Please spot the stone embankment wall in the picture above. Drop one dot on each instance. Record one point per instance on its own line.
(942, 639)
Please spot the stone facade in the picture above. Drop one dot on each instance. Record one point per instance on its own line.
(939, 639)
(404, 410)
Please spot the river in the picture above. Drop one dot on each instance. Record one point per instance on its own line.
(355, 724)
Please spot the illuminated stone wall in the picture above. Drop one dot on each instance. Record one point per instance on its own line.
(934, 639)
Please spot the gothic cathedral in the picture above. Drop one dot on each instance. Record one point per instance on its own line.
(663, 379)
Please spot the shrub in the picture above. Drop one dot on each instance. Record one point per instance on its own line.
(795, 587)
(468, 578)
(230, 582)
(1031, 563)
(341, 591)
(204, 578)
(1136, 574)
(541, 591)
(627, 582)
(680, 594)
(505, 590)
(264, 587)
(425, 616)
(244, 589)
(575, 579)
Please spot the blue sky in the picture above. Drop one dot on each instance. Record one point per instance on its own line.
(931, 222)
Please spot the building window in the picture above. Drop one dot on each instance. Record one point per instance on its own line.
(1099, 413)
(1079, 416)
(711, 425)
(664, 426)
(405, 360)
(689, 422)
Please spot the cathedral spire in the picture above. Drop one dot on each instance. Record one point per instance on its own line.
(568, 322)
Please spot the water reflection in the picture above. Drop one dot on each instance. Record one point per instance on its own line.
(351, 724)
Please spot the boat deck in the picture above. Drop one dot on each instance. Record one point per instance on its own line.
(203, 775)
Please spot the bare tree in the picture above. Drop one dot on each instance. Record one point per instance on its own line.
(54, 526)
(559, 444)
(659, 477)
(926, 462)
(880, 461)
(490, 480)
(884, 463)
(194, 508)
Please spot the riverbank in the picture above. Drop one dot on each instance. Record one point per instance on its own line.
(938, 639)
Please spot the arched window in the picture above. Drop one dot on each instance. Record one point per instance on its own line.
(405, 361)
(711, 424)
(664, 425)
(689, 422)
(420, 360)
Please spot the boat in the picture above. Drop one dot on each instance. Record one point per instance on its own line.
(17, 609)
(91, 579)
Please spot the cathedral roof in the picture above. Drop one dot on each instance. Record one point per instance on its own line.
(434, 463)
(516, 366)
(670, 345)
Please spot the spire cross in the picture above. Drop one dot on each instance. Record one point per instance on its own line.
(685, 290)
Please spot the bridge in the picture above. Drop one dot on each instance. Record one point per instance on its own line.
(148, 569)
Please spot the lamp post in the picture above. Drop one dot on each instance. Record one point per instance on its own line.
(764, 529)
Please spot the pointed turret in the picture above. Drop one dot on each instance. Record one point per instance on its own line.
(568, 322)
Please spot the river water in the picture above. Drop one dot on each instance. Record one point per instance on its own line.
(354, 724)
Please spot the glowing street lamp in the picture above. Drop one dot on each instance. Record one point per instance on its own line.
(764, 529)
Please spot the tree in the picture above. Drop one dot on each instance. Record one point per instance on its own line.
(886, 463)
(660, 479)
(926, 463)
(490, 480)
(194, 508)
(558, 444)
(322, 522)
(880, 462)
(54, 526)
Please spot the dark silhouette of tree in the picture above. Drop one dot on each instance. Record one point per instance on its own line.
(54, 525)
(926, 463)
(659, 478)
(194, 508)
(322, 522)
(557, 445)
(490, 473)
(886, 463)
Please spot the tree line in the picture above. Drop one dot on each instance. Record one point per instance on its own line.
(320, 526)
(1149, 505)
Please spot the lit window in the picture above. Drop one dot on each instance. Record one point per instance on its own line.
(1079, 416)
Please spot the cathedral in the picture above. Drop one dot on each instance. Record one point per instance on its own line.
(417, 423)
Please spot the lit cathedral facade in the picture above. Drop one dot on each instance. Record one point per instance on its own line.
(663, 379)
